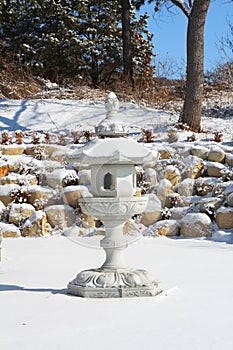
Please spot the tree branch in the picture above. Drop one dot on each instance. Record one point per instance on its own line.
(185, 8)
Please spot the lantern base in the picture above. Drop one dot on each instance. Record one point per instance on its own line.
(114, 283)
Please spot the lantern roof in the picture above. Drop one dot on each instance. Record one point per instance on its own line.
(116, 151)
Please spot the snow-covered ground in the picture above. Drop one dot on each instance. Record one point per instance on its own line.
(61, 115)
(194, 312)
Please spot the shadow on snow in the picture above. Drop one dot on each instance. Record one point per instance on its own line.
(12, 124)
(11, 287)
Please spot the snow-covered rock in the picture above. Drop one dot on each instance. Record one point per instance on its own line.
(230, 200)
(207, 203)
(223, 189)
(229, 159)
(9, 230)
(216, 154)
(60, 216)
(199, 151)
(40, 195)
(5, 193)
(18, 179)
(71, 194)
(58, 156)
(196, 225)
(224, 218)
(222, 236)
(163, 191)
(12, 150)
(178, 213)
(19, 212)
(193, 167)
(205, 185)
(36, 225)
(165, 228)
(165, 152)
(4, 169)
(215, 169)
(186, 187)
(45, 150)
(57, 178)
(2, 208)
(150, 176)
(153, 210)
(172, 174)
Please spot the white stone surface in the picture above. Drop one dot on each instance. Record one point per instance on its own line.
(113, 185)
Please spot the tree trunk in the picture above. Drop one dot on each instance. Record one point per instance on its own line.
(127, 44)
(191, 114)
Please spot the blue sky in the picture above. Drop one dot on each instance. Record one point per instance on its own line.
(170, 32)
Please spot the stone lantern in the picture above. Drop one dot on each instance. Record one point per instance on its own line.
(113, 186)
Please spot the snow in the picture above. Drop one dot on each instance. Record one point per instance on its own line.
(195, 310)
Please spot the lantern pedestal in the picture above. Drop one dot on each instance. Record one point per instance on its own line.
(114, 279)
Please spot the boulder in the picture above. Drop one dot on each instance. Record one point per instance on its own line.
(186, 188)
(150, 176)
(205, 185)
(216, 154)
(2, 208)
(4, 169)
(131, 226)
(209, 202)
(224, 217)
(40, 196)
(36, 225)
(60, 177)
(71, 194)
(194, 167)
(175, 200)
(17, 163)
(19, 179)
(196, 225)
(12, 150)
(9, 230)
(199, 151)
(44, 150)
(230, 200)
(165, 228)
(215, 169)
(229, 159)
(153, 210)
(5, 193)
(59, 156)
(163, 191)
(60, 216)
(178, 213)
(223, 189)
(165, 152)
(185, 152)
(172, 174)
(87, 220)
(19, 212)
(228, 189)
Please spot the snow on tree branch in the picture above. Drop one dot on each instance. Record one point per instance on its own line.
(185, 7)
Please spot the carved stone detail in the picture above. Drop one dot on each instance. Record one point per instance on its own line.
(111, 126)
(98, 206)
(114, 283)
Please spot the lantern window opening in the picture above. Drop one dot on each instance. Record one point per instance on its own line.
(109, 182)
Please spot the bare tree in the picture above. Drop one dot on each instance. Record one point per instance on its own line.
(127, 42)
(196, 12)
